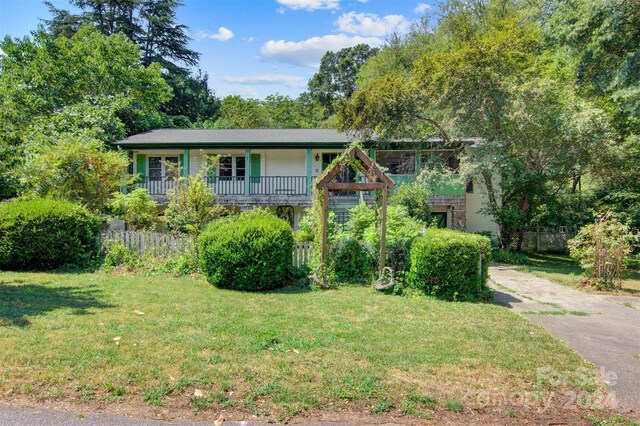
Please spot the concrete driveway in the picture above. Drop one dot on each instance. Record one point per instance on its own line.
(602, 329)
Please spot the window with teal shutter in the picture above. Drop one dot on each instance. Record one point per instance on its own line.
(255, 168)
(141, 165)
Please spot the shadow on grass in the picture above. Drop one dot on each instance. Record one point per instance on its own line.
(18, 302)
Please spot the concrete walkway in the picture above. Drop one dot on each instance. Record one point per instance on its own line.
(602, 329)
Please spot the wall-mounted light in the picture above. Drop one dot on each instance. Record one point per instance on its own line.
(317, 157)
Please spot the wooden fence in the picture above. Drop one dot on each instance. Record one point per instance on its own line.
(541, 240)
(301, 253)
(160, 244)
(149, 243)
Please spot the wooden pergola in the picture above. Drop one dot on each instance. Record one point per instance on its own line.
(378, 180)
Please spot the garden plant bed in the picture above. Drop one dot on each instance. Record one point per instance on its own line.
(144, 345)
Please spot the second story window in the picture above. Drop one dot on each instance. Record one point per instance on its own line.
(240, 167)
(163, 167)
(397, 162)
(225, 167)
(232, 166)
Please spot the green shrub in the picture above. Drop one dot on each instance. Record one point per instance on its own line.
(415, 198)
(247, 252)
(445, 264)
(117, 254)
(136, 208)
(307, 227)
(352, 262)
(46, 234)
(509, 257)
(603, 249)
(180, 264)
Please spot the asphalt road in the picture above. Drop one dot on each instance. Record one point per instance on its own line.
(602, 329)
(10, 415)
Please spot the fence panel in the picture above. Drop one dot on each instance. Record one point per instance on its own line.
(541, 240)
(149, 243)
(159, 244)
(301, 253)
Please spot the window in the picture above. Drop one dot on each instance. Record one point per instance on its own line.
(226, 167)
(155, 168)
(171, 167)
(240, 167)
(159, 169)
(448, 158)
(469, 188)
(397, 162)
(230, 166)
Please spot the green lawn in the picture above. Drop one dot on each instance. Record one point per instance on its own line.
(273, 354)
(564, 270)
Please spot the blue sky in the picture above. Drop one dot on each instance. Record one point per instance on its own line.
(257, 47)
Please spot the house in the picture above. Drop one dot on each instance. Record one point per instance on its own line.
(276, 168)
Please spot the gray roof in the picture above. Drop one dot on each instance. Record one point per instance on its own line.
(236, 136)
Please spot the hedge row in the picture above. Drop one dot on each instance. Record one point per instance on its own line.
(247, 252)
(46, 234)
(450, 264)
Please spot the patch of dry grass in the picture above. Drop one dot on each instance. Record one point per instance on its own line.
(276, 354)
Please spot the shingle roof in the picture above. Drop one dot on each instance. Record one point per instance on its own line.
(235, 136)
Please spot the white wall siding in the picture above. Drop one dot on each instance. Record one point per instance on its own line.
(285, 162)
(476, 201)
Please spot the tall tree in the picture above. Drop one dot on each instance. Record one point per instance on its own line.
(336, 77)
(152, 25)
(485, 75)
(89, 88)
(602, 41)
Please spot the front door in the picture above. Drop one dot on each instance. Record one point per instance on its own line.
(440, 219)
(348, 175)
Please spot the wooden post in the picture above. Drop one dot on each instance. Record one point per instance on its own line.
(325, 217)
(383, 230)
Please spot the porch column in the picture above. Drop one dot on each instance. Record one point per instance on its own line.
(372, 154)
(418, 159)
(309, 177)
(247, 170)
(185, 164)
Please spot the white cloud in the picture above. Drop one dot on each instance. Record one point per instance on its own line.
(363, 1)
(223, 34)
(370, 24)
(310, 5)
(309, 52)
(262, 79)
(246, 92)
(422, 8)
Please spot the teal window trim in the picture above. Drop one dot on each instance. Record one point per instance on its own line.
(309, 168)
(247, 171)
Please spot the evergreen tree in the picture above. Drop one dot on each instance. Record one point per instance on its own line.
(151, 24)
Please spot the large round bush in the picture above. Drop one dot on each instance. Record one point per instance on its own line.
(451, 265)
(247, 252)
(46, 234)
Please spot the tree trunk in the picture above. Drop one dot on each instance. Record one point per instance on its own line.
(520, 240)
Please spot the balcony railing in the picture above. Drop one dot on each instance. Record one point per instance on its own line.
(157, 185)
(226, 185)
(235, 185)
(278, 185)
